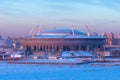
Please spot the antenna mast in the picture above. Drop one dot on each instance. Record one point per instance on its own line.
(87, 28)
(73, 30)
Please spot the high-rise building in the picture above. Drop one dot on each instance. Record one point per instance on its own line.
(110, 38)
(118, 36)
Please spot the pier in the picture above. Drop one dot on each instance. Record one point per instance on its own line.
(62, 62)
(50, 62)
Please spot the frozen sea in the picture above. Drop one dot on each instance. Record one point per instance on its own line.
(90, 71)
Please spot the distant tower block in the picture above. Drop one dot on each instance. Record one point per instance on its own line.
(110, 38)
(118, 36)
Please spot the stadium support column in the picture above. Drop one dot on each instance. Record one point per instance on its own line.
(32, 47)
(55, 47)
(88, 47)
(42, 48)
(48, 47)
(61, 48)
(45, 47)
(79, 47)
(52, 47)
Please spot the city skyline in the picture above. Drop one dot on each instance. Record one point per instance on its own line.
(19, 16)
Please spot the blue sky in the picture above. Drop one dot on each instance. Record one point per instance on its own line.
(17, 17)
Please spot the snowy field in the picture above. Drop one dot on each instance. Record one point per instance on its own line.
(59, 72)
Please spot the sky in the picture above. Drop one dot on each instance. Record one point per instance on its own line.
(18, 17)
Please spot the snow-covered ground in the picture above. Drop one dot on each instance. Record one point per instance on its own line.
(58, 72)
(77, 53)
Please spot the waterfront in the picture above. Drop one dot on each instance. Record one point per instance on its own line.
(91, 71)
